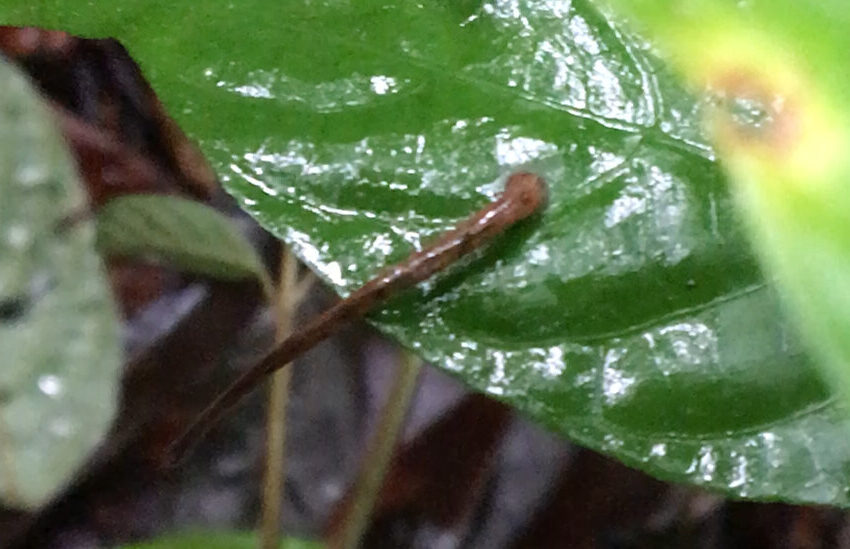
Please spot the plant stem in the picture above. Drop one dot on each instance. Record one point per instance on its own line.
(274, 475)
(380, 451)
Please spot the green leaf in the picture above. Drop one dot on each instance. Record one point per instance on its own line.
(184, 233)
(219, 540)
(791, 161)
(631, 317)
(58, 330)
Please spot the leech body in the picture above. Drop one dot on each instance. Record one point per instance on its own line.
(524, 194)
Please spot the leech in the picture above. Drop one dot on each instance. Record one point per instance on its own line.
(524, 194)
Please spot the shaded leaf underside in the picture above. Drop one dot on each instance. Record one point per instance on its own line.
(185, 233)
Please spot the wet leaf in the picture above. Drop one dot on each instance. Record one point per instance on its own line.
(781, 123)
(219, 540)
(58, 328)
(184, 233)
(632, 316)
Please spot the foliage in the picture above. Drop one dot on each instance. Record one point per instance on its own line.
(181, 232)
(632, 316)
(58, 328)
(781, 123)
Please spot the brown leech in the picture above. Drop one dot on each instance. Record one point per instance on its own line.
(524, 194)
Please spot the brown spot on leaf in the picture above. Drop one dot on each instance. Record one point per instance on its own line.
(779, 126)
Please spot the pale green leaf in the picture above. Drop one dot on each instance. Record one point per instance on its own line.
(59, 334)
(191, 236)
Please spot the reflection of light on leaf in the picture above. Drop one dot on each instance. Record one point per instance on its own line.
(781, 122)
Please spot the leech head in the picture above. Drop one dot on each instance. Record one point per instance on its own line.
(527, 192)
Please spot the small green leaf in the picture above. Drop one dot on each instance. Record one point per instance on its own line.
(219, 540)
(187, 234)
(58, 329)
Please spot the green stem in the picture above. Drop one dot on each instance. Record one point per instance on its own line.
(274, 474)
(377, 458)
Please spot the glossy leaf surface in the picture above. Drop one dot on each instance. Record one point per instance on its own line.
(781, 122)
(187, 234)
(631, 316)
(58, 330)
